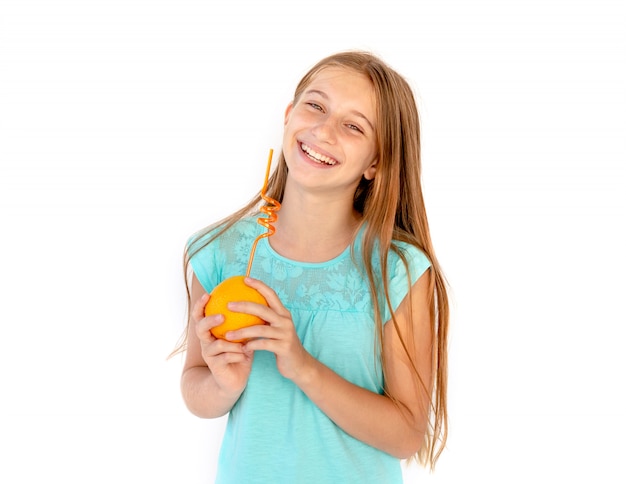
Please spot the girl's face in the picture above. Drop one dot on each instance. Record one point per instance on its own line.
(329, 140)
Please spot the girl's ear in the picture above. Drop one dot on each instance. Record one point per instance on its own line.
(288, 112)
(370, 172)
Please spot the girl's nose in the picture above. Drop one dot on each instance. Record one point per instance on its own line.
(324, 130)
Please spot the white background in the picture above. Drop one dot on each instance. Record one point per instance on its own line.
(127, 125)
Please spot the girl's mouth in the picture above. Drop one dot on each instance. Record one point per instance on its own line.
(317, 157)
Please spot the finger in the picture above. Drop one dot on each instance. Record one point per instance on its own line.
(257, 331)
(219, 346)
(268, 293)
(219, 353)
(258, 344)
(255, 309)
(229, 359)
(226, 346)
(205, 324)
(280, 345)
(198, 308)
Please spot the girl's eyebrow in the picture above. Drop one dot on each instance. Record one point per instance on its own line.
(353, 112)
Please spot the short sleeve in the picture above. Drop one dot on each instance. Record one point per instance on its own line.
(399, 287)
(204, 261)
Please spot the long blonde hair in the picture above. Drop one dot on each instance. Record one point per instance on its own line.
(393, 208)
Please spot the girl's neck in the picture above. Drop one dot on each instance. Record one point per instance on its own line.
(311, 230)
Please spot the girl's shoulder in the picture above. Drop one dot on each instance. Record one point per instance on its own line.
(411, 253)
(406, 263)
(216, 252)
(221, 232)
(400, 256)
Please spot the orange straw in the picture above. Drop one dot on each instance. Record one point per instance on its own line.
(270, 210)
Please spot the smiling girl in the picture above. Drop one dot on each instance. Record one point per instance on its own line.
(348, 376)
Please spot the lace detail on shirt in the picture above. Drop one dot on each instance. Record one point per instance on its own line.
(336, 285)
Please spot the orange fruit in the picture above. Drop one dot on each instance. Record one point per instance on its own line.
(229, 290)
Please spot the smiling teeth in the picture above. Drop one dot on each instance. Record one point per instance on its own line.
(315, 156)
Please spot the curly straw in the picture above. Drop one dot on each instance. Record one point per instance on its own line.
(272, 206)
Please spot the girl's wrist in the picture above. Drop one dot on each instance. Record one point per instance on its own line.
(307, 378)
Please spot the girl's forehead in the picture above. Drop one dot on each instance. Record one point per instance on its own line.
(343, 82)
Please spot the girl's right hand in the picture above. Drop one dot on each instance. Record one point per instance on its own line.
(228, 362)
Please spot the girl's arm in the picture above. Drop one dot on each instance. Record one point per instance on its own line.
(398, 427)
(215, 372)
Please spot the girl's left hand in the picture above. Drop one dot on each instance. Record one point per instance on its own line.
(278, 335)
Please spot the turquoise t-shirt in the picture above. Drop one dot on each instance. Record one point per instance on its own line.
(275, 434)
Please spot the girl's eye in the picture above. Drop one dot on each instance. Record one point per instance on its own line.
(354, 127)
(315, 106)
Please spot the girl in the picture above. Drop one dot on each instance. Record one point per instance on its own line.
(348, 375)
